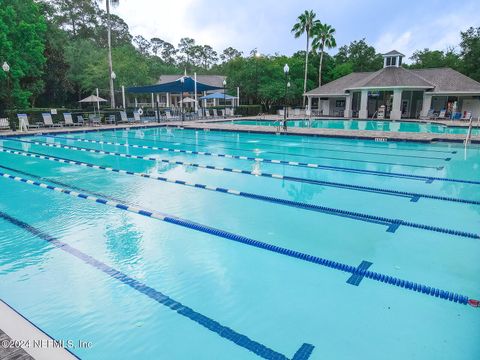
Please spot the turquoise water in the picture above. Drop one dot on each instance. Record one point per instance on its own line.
(275, 300)
(373, 125)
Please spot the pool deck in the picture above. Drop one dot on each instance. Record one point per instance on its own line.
(356, 134)
(220, 125)
(38, 345)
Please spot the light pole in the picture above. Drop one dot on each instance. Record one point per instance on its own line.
(6, 69)
(113, 78)
(110, 63)
(286, 70)
(224, 103)
(182, 80)
(257, 56)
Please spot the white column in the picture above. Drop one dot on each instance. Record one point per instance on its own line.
(98, 102)
(238, 96)
(348, 106)
(168, 100)
(309, 106)
(123, 97)
(204, 100)
(396, 112)
(136, 102)
(426, 104)
(153, 101)
(196, 104)
(363, 113)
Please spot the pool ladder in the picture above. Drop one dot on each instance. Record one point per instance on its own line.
(469, 132)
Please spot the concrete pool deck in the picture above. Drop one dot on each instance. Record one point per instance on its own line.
(220, 125)
(21, 340)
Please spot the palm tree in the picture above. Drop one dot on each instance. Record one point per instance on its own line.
(304, 25)
(322, 38)
(109, 40)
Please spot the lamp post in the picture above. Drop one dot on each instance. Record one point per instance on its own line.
(286, 70)
(224, 103)
(257, 56)
(6, 69)
(110, 62)
(182, 80)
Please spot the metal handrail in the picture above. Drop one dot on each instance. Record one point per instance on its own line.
(469, 132)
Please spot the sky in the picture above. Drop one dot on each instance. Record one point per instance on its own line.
(405, 25)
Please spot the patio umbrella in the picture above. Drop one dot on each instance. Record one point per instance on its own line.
(93, 99)
(188, 100)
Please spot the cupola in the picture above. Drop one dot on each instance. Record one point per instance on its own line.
(392, 59)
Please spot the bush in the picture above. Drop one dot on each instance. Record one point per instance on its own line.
(248, 110)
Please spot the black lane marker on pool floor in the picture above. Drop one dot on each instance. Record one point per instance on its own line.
(317, 149)
(181, 309)
(359, 273)
(414, 197)
(416, 287)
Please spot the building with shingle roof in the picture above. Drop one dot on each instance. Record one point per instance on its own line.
(397, 92)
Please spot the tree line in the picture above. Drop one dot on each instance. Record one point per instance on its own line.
(57, 53)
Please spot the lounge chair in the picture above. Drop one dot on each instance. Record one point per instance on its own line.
(136, 117)
(4, 124)
(69, 120)
(430, 115)
(207, 114)
(169, 116)
(94, 119)
(80, 120)
(215, 113)
(442, 114)
(23, 118)
(111, 119)
(466, 116)
(48, 122)
(123, 117)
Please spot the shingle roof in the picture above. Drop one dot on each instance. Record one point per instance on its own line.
(446, 79)
(212, 80)
(393, 53)
(439, 80)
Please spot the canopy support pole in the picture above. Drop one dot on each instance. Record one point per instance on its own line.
(98, 103)
(123, 97)
(196, 104)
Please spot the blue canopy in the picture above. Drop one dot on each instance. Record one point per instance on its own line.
(217, 96)
(173, 87)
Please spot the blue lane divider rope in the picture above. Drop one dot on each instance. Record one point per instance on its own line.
(105, 135)
(393, 224)
(322, 149)
(299, 138)
(413, 196)
(409, 285)
(428, 179)
(249, 158)
(181, 309)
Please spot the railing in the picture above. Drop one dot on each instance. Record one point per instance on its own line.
(374, 114)
(469, 132)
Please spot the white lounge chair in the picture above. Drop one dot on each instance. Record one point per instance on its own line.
(215, 113)
(430, 115)
(69, 120)
(24, 118)
(207, 114)
(48, 122)
(123, 117)
(136, 117)
(80, 120)
(169, 116)
(441, 115)
(466, 116)
(4, 124)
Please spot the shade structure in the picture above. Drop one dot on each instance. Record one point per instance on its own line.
(173, 87)
(188, 100)
(218, 96)
(92, 99)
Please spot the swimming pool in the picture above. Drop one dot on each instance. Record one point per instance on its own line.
(180, 244)
(372, 125)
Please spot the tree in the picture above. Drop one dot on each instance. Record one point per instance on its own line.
(142, 44)
(304, 25)
(157, 45)
(434, 59)
(208, 56)
(169, 53)
(120, 32)
(22, 45)
(186, 46)
(77, 17)
(362, 56)
(229, 54)
(470, 45)
(323, 36)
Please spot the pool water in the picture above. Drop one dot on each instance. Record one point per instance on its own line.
(373, 125)
(206, 265)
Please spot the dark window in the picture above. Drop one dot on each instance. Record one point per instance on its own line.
(400, 61)
(389, 61)
(394, 61)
